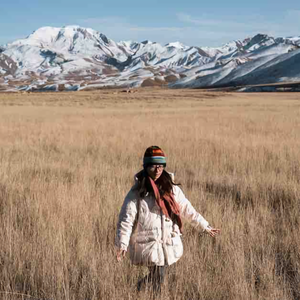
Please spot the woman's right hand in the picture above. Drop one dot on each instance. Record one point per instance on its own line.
(121, 254)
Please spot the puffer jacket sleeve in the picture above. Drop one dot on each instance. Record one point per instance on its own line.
(188, 211)
(126, 220)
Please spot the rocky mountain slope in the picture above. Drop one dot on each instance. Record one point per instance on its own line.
(74, 58)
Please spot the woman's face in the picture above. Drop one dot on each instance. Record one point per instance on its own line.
(154, 171)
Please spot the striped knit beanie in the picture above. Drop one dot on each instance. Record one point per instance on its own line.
(154, 156)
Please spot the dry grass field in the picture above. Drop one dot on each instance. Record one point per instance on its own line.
(68, 160)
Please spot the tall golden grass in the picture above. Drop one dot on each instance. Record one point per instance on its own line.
(68, 160)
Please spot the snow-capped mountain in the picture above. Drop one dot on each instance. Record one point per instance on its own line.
(250, 64)
(72, 58)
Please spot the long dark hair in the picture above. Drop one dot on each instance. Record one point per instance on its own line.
(164, 183)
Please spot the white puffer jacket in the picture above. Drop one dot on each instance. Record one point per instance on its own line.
(153, 238)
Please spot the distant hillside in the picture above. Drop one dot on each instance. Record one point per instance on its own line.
(75, 58)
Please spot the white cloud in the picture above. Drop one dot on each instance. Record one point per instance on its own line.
(121, 29)
(293, 13)
(196, 21)
(249, 25)
(205, 30)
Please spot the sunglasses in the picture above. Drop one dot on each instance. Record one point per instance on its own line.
(155, 167)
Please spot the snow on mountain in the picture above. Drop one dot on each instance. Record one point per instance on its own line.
(79, 58)
(67, 44)
(258, 41)
(74, 41)
(240, 48)
(289, 40)
(284, 67)
(212, 52)
(242, 61)
(227, 49)
(273, 49)
(177, 45)
(43, 36)
(263, 70)
(211, 75)
(172, 55)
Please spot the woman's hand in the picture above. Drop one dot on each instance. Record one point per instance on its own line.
(121, 254)
(212, 231)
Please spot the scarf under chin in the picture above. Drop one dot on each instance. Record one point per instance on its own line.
(167, 203)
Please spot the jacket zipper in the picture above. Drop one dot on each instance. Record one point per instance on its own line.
(163, 239)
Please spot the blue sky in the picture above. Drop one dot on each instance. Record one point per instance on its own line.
(192, 22)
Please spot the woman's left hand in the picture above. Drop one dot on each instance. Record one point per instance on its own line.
(212, 231)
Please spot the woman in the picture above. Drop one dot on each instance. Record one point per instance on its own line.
(150, 221)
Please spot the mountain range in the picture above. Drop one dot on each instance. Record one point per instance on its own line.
(76, 58)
